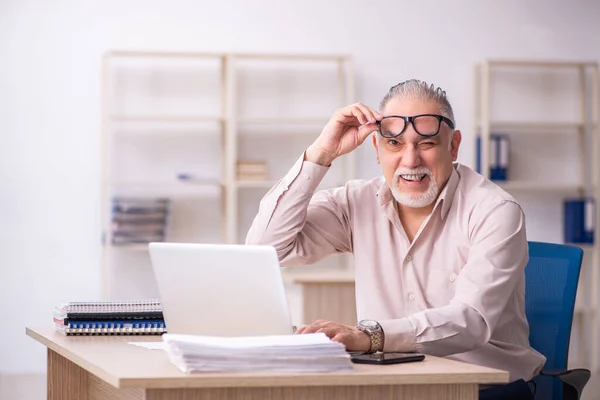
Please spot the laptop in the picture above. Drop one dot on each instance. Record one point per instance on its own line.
(220, 290)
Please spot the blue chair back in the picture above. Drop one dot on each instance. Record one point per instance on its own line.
(551, 277)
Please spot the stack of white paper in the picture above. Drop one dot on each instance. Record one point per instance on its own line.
(282, 353)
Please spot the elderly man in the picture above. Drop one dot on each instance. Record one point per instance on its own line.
(439, 250)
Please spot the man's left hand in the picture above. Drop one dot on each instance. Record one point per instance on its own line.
(349, 336)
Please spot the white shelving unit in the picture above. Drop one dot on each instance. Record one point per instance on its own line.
(167, 113)
(554, 107)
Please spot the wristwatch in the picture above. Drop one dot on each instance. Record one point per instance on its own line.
(375, 332)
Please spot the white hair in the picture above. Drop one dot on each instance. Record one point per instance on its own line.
(419, 90)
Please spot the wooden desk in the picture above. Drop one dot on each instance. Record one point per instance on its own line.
(106, 367)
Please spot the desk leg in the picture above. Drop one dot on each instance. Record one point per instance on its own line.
(399, 392)
(331, 301)
(66, 380)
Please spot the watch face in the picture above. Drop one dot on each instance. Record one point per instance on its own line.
(367, 323)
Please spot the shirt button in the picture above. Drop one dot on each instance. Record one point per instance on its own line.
(453, 278)
(411, 296)
(409, 258)
(306, 176)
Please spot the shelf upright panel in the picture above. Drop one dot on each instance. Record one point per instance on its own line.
(230, 159)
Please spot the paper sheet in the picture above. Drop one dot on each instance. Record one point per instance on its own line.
(250, 342)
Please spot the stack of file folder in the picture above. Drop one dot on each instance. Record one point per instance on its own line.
(281, 353)
(579, 220)
(139, 220)
(143, 317)
(499, 163)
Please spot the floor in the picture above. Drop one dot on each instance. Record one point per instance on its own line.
(23, 387)
(33, 387)
(592, 390)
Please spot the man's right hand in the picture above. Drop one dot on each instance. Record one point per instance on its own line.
(345, 131)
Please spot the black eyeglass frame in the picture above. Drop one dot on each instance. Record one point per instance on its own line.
(410, 120)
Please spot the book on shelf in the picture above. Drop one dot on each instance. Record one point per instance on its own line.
(579, 220)
(499, 156)
(141, 317)
(197, 178)
(252, 177)
(252, 170)
(148, 218)
(137, 238)
(139, 226)
(140, 205)
(259, 165)
(249, 170)
(139, 220)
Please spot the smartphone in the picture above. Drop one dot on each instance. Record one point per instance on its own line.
(386, 358)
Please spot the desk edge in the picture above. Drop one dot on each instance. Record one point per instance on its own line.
(499, 377)
(490, 376)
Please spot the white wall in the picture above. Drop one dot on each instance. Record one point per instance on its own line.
(49, 103)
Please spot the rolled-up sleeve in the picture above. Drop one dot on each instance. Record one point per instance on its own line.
(496, 262)
(302, 225)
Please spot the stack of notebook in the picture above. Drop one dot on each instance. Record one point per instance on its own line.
(142, 317)
(281, 353)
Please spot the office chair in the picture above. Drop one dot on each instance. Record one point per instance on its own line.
(551, 277)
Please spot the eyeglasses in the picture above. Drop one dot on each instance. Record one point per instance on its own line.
(424, 124)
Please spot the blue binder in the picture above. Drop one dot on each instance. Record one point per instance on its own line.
(579, 220)
(499, 156)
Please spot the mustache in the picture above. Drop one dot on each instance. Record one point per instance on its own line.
(412, 171)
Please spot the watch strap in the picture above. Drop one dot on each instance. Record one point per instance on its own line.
(376, 336)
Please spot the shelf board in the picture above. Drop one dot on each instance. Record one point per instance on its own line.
(251, 56)
(164, 118)
(297, 56)
(169, 189)
(161, 54)
(216, 119)
(537, 186)
(138, 247)
(540, 63)
(246, 120)
(284, 121)
(148, 126)
(538, 127)
(255, 184)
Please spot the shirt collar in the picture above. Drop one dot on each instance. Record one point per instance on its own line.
(447, 194)
(384, 193)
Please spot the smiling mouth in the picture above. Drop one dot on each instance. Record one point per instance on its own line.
(413, 177)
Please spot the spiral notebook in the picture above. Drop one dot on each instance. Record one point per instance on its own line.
(143, 327)
(140, 317)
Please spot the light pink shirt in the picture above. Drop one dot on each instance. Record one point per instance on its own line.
(457, 290)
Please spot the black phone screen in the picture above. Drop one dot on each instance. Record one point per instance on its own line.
(386, 358)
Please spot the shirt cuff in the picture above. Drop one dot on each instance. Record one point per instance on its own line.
(304, 177)
(399, 335)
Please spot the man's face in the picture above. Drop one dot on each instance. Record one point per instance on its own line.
(416, 167)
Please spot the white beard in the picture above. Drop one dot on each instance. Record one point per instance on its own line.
(415, 200)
